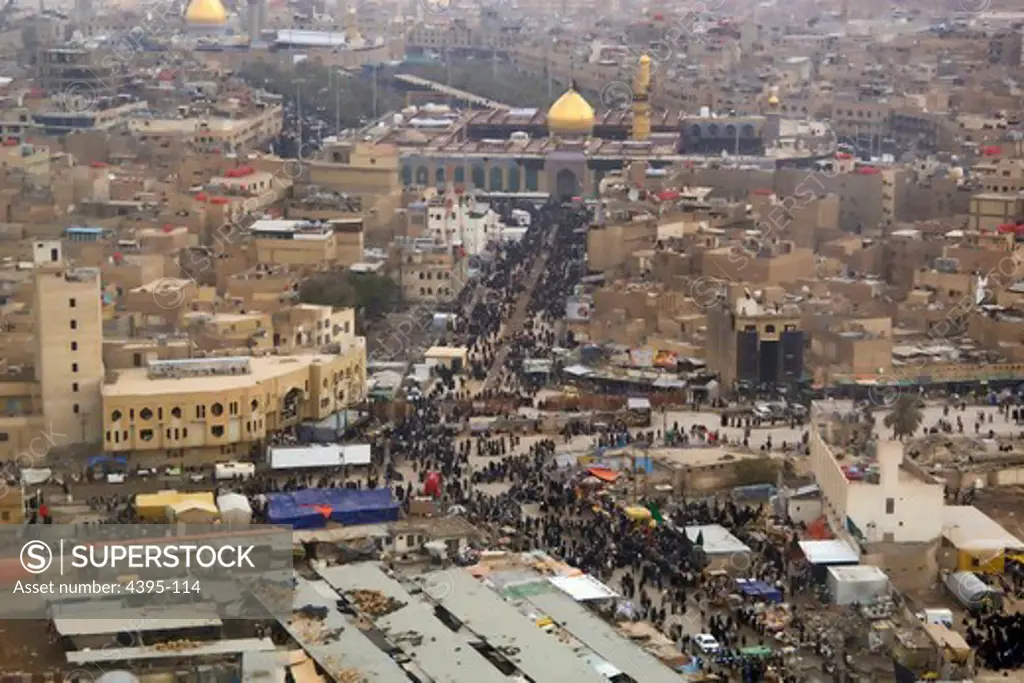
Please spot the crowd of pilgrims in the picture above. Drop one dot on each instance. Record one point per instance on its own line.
(658, 569)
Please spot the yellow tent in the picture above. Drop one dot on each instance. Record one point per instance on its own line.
(152, 507)
(637, 513)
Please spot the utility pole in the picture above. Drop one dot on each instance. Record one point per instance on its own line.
(298, 115)
(375, 91)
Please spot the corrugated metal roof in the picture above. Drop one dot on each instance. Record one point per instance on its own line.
(486, 614)
(601, 638)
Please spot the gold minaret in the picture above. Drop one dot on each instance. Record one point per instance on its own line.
(641, 100)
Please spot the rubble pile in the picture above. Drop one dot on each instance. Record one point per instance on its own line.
(176, 645)
(374, 603)
(350, 676)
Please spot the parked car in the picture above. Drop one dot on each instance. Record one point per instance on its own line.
(706, 643)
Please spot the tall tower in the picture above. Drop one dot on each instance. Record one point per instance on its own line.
(255, 19)
(641, 100)
(68, 316)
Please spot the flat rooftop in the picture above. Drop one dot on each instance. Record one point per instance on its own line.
(717, 539)
(210, 649)
(136, 381)
(968, 528)
(99, 626)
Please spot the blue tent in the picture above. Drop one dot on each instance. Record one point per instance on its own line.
(295, 510)
(114, 460)
(312, 508)
(759, 590)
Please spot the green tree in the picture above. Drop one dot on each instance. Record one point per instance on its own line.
(323, 93)
(373, 296)
(905, 417)
(501, 81)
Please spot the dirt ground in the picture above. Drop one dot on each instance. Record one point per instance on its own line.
(1005, 505)
(28, 646)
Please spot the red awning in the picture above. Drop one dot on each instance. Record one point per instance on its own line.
(603, 473)
(669, 195)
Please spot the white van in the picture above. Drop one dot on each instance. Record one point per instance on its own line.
(234, 470)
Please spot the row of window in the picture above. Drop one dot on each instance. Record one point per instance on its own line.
(429, 291)
(177, 433)
(498, 181)
(217, 409)
(429, 275)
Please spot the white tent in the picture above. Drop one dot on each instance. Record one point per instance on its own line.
(234, 509)
(193, 512)
(117, 677)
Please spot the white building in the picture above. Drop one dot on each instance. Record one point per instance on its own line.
(902, 504)
(459, 220)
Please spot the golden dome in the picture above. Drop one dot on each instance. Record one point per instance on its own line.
(773, 100)
(206, 12)
(571, 114)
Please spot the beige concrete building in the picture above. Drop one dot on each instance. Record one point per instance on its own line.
(428, 272)
(56, 401)
(229, 128)
(989, 211)
(201, 410)
(308, 244)
(1001, 175)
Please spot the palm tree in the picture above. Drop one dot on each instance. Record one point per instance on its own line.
(905, 417)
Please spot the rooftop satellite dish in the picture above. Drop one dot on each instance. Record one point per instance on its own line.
(634, 194)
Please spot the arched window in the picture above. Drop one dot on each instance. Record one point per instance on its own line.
(422, 175)
(460, 175)
(730, 131)
(695, 131)
(713, 130)
(513, 179)
(497, 182)
(439, 176)
(748, 131)
(532, 184)
(479, 176)
(407, 175)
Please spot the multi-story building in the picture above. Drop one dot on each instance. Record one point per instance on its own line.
(990, 210)
(460, 36)
(754, 343)
(895, 513)
(228, 129)
(80, 69)
(69, 344)
(308, 244)
(61, 116)
(56, 401)
(199, 410)
(1001, 176)
(455, 220)
(428, 271)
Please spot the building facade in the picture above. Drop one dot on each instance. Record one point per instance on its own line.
(201, 410)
